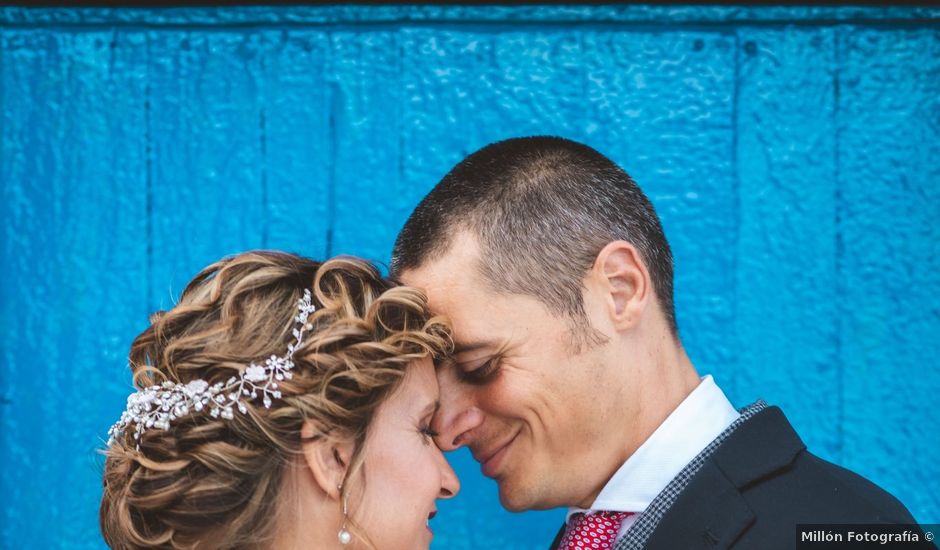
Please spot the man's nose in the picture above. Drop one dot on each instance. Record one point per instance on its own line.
(457, 416)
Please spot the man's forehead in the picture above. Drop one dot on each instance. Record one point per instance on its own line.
(454, 271)
(452, 293)
(456, 290)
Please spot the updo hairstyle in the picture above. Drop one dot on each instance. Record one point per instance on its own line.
(213, 483)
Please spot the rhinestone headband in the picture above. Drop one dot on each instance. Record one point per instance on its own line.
(159, 405)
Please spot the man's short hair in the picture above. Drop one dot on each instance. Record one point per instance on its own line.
(542, 208)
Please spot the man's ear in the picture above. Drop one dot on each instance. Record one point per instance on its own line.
(625, 282)
(327, 458)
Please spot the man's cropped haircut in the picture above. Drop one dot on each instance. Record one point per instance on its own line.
(542, 209)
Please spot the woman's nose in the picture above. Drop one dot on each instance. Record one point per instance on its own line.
(450, 485)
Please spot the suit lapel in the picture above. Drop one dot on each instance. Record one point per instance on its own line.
(710, 514)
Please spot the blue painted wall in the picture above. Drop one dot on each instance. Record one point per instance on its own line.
(791, 152)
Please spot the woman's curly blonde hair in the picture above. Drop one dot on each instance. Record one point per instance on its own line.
(213, 483)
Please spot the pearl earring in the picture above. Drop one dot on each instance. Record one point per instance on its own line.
(344, 536)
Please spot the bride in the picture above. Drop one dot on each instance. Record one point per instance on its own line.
(282, 403)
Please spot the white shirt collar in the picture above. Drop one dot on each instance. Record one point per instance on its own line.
(699, 419)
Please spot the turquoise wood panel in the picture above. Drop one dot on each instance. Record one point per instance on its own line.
(297, 142)
(786, 308)
(366, 68)
(205, 134)
(790, 152)
(75, 257)
(889, 257)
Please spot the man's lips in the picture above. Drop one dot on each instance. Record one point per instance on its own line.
(491, 459)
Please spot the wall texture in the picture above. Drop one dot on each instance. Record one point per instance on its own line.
(791, 152)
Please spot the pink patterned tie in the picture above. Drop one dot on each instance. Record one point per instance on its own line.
(597, 531)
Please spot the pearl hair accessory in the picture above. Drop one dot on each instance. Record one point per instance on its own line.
(159, 405)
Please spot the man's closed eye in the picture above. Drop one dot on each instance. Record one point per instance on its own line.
(481, 374)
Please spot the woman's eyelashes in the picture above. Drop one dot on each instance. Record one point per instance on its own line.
(427, 432)
(480, 374)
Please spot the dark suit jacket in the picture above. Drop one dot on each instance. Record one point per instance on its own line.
(758, 485)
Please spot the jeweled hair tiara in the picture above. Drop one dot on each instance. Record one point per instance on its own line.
(160, 405)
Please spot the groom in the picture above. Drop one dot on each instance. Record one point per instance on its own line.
(569, 382)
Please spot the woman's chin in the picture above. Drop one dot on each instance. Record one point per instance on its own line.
(427, 536)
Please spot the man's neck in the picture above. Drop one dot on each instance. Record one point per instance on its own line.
(669, 380)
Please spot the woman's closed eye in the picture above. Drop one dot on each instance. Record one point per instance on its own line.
(427, 432)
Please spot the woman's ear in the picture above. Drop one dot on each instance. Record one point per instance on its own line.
(326, 457)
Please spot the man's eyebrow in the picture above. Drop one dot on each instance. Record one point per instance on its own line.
(464, 347)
